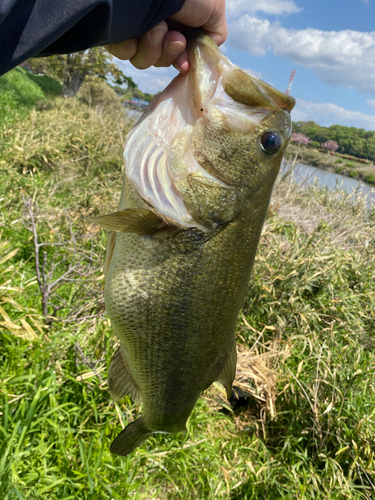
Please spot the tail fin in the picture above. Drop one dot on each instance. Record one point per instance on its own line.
(132, 436)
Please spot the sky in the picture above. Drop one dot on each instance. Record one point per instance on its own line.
(329, 43)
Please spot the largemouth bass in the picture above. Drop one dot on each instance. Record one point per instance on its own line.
(200, 166)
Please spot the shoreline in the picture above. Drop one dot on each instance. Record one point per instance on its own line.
(337, 164)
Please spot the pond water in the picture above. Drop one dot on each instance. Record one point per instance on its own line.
(306, 175)
(133, 113)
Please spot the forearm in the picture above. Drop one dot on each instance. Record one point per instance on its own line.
(46, 27)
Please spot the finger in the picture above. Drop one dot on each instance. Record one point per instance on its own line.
(174, 44)
(208, 15)
(219, 37)
(123, 50)
(150, 47)
(216, 26)
(182, 62)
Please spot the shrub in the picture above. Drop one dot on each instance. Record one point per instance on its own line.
(315, 144)
(96, 92)
(353, 173)
(370, 179)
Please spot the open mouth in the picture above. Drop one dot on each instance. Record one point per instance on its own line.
(158, 154)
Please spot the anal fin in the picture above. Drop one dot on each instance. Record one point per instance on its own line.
(140, 221)
(120, 380)
(130, 438)
(228, 373)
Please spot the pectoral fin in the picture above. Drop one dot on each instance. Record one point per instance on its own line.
(120, 380)
(140, 221)
(228, 373)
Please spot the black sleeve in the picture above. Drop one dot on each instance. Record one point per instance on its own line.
(45, 27)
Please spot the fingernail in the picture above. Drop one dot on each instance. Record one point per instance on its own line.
(157, 34)
(176, 67)
(174, 48)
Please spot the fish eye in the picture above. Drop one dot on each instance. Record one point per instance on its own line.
(270, 142)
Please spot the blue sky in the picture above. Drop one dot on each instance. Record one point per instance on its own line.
(330, 44)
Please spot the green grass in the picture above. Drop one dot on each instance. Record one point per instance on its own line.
(20, 91)
(312, 294)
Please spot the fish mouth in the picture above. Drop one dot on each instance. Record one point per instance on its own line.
(246, 101)
(158, 152)
(209, 68)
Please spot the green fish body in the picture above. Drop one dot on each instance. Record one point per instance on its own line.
(200, 167)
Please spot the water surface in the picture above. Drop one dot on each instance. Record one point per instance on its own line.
(306, 175)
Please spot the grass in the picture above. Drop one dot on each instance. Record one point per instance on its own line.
(20, 91)
(310, 304)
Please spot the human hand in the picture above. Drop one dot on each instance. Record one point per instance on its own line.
(161, 47)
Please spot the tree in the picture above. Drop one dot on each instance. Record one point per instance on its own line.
(350, 140)
(72, 69)
(148, 97)
(123, 93)
(138, 94)
(330, 145)
(300, 138)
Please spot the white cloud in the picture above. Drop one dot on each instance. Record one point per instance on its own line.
(326, 114)
(151, 80)
(340, 58)
(371, 103)
(224, 48)
(235, 8)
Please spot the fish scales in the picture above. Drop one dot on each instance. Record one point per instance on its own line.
(170, 319)
(178, 263)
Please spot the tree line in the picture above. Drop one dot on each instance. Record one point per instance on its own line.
(351, 140)
(72, 69)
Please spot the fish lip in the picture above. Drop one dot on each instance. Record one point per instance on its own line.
(205, 71)
(218, 65)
